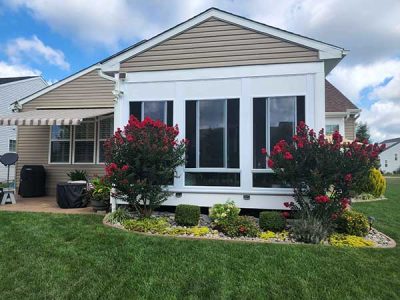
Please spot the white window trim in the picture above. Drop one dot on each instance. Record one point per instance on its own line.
(99, 139)
(74, 140)
(63, 140)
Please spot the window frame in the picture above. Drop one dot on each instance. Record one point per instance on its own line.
(165, 120)
(224, 169)
(9, 141)
(98, 139)
(74, 140)
(326, 128)
(63, 140)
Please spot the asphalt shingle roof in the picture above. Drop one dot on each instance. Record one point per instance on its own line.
(12, 79)
(335, 101)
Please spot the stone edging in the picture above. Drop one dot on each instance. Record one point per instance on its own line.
(392, 243)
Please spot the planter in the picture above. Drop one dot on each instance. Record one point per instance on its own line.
(99, 205)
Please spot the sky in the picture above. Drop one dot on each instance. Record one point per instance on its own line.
(55, 38)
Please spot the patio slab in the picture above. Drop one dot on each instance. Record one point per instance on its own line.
(43, 204)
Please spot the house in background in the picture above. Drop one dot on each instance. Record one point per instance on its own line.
(341, 113)
(390, 158)
(232, 85)
(13, 89)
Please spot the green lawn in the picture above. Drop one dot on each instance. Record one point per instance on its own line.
(62, 256)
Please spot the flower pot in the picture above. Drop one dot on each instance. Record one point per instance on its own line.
(99, 205)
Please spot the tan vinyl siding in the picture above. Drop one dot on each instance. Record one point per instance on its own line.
(350, 128)
(216, 43)
(88, 90)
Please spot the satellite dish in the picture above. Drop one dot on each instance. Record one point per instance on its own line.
(9, 159)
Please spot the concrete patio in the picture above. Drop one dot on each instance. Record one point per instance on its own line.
(43, 204)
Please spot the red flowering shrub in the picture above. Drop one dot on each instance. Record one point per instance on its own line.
(141, 160)
(322, 172)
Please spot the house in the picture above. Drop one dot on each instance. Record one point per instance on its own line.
(390, 157)
(11, 90)
(232, 85)
(341, 113)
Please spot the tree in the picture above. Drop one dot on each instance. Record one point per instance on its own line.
(362, 132)
(141, 161)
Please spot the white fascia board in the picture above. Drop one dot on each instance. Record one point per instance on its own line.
(326, 51)
(57, 84)
(336, 114)
(226, 72)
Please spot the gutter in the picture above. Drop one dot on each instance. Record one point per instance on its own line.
(117, 90)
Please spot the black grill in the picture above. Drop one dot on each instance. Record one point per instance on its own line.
(32, 181)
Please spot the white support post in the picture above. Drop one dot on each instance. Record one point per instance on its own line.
(246, 136)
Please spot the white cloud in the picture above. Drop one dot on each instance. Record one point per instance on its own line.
(21, 48)
(13, 70)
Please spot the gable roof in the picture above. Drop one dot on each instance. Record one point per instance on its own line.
(5, 80)
(395, 140)
(326, 51)
(335, 101)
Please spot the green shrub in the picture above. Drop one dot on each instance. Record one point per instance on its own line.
(341, 240)
(353, 223)
(271, 220)
(187, 215)
(376, 183)
(77, 175)
(309, 230)
(118, 216)
(223, 212)
(277, 235)
(240, 226)
(153, 225)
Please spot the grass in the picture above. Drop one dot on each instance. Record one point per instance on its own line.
(76, 257)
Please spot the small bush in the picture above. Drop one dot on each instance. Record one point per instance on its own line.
(272, 220)
(78, 175)
(353, 223)
(240, 226)
(187, 215)
(153, 225)
(341, 240)
(196, 231)
(118, 216)
(221, 213)
(377, 183)
(272, 235)
(310, 230)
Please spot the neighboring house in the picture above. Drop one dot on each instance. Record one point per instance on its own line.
(341, 113)
(11, 90)
(232, 85)
(390, 158)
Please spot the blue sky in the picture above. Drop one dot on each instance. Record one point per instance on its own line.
(56, 38)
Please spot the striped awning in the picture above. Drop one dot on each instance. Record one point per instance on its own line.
(53, 116)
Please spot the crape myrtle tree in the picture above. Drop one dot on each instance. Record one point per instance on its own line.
(321, 171)
(141, 160)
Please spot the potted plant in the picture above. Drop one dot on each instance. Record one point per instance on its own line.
(77, 176)
(98, 193)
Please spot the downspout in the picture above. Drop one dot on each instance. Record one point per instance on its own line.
(116, 92)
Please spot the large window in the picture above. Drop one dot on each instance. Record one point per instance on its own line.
(80, 144)
(331, 128)
(156, 110)
(60, 143)
(274, 119)
(12, 146)
(212, 128)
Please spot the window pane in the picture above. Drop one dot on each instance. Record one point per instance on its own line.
(212, 179)
(106, 128)
(190, 129)
(101, 152)
(212, 127)
(84, 131)
(154, 110)
(60, 132)
(12, 146)
(59, 152)
(135, 109)
(282, 119)
(330, 129)
(170, 113)
(233, 133)
(259, 132)
(84, 152)
(267, 180)
(301, 109)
